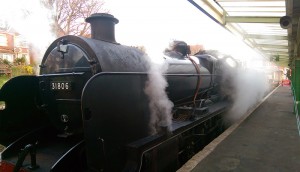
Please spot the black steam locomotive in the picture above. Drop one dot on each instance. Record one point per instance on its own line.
(88, 109)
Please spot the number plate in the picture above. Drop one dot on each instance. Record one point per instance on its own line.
(60, 85)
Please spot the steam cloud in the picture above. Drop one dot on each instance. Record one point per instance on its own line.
(250, 86)
(160, 105)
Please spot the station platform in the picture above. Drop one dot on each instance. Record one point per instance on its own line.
(266, 139)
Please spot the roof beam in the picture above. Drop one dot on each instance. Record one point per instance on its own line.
(272, 37)
(276, 51)
(211, 9)
(273, 46)
(284, 57)
(242, 19)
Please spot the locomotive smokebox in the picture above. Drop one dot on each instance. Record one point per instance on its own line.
(103, 26)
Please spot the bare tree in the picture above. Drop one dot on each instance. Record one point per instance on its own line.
(69, 15)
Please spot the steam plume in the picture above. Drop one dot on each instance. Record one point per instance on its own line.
(160, 105)
(250, 86)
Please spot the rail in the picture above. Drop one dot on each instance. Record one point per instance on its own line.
(296, 107)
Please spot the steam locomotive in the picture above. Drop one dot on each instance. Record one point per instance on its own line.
(88, 109)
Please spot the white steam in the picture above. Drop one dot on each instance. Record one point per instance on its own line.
(250, 86)
(159, 103)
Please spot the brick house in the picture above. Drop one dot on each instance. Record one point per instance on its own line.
(12, 46)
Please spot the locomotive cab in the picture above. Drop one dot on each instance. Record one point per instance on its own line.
(65, 69)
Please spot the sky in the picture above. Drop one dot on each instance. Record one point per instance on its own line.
(153, 24)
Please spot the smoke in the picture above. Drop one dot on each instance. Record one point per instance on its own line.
(30, 19)
(250, 85)
(159, 103)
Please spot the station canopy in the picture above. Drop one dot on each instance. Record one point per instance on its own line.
(255, 21)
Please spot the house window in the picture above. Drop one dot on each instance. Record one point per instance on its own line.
(8, 57)
(3, 40)
(20, 41)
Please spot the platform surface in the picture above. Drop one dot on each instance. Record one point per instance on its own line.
(267, 140)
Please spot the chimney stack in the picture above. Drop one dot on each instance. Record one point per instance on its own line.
(103, 26)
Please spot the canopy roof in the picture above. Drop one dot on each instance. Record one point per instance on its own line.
(257, 22)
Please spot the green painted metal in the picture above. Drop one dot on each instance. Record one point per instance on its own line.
(296, 109)
(297, 79)
(296, 90)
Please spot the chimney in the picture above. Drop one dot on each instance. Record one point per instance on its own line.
(103, 26)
